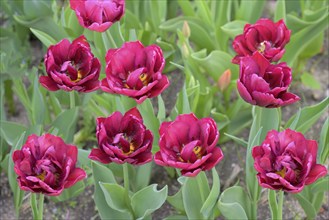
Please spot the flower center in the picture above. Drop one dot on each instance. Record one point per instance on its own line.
(42, 176)
(143, 77)
(282, 172)
(261, 47)
(197, 152)
(78, 78)
(131, 149)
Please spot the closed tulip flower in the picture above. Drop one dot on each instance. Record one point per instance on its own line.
(47, 165)
(123, 139)
(98, 15)
(135, 71)
(287, 161)
(189, 144)
(71, 67)
(265, 36)
(263, 84)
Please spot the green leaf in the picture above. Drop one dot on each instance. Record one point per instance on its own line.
(234, 203)
(116, 197)
(280, 10)
(195, 192)
(161, 109)
(105, 175)
(43, 37)
(182, 103)
(323, 151)
(250, 11)
(233, 28)
(147, 200)
(38, 104)
(12, 177)
(83, 157)
(208, 207)
(177, 201)
(176, 217)
(143, 175)
(309, 80)
(239, 141)
(322, 185)
(308, 116)
(221, 119)
(306, 205)
(11, 131)
(66, 122)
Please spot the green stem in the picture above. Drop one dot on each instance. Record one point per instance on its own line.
(280, 204)
(37, 206)
(126, 176)
(199, 182)
(72, 99)
(273, 204)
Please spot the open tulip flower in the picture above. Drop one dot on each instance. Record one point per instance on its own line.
(98, 15)
(135, 71)
(265, 36)
(189, 144)
(264, 84)
(71, 67)
(46, 164)
(287, 161)
(123, 139)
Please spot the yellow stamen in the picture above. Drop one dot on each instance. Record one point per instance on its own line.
(261, 48)
(143, 78)
(78, 78)
(131, 149)
(42, 176)
(282, 172)
(197, 151)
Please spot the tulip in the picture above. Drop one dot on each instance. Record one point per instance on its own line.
(189, 144)
(98, 15)
(123, 139)
(263, 84)
(71, 67)
(135, 71)
(46, 164)
(265, 36)
(287, 161)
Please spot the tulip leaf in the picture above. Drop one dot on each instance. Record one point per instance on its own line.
(12, 177)
(43, 37)
(310, 81)
(234, 203)
(176, 217)
(233, 28)
(306, 205)
(177, 201)
(210, 203)
(280, 10)
(38, 104)
(83, 157)
(182, 103)
(147, 200)
(143, 175)
(161, 109)
(250, 10)
(10, 131)
(221, 119)
(66, 122)
(116, 197)
(308, 116)
(323, 151)
(322, 185)
(195, 192)
(105, 175)
(237, 140)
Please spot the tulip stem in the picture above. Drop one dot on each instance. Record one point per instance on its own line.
(280, 204)
(37, 209)
(126, 176)
(72, 100)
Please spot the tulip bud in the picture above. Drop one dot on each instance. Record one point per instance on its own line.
(224, 80)
(186, 30)
(185, 50)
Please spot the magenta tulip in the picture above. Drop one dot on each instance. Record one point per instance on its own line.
(46, 165)
(135, 71)
(123, 139)
(71, 67)
(263, 84)
(98, 15)
(265, 36)
(189, 144)
(287, 161)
